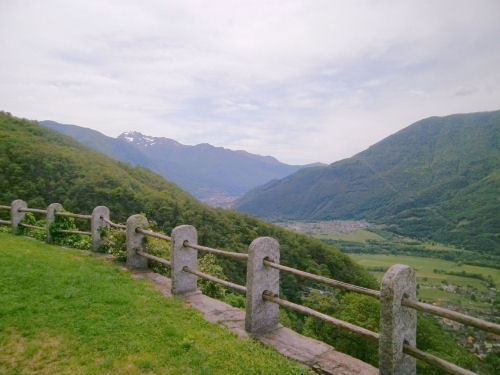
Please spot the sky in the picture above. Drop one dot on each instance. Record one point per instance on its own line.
(304, 81)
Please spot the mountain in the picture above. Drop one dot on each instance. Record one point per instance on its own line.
(113, 147)
(215, 175)
(206, 171)
(437, 179)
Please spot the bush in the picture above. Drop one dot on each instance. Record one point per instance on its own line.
(31, 219)
(208, 264)
(64, 239)
(114, 242)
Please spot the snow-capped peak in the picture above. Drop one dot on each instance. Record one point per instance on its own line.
(137, 138)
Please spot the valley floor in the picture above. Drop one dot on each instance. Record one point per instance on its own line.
(465, 288)
(452, 283)
(435, 286)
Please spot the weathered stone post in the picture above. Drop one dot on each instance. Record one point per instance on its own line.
(398, 324)
(51, 217)
(136, 241)
(262, 316)
(15, 216)
(182, 256)
(98, 214)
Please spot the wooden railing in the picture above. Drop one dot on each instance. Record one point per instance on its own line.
(399, 304)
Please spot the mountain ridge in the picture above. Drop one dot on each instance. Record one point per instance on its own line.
(215, 175)
(138, 138)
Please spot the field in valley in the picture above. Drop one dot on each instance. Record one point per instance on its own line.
(445, 274)
(467, 291)
(448, 276)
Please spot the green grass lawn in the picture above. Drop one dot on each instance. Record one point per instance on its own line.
(66, 312)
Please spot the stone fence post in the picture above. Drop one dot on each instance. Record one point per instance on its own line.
(136, 241)
(398, 324)
(182, 256)
(262, 316)
(51, 217)
(15, 216)
(98, 214)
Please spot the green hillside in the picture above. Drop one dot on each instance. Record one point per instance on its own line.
(438, 178)
(66, 312)
(42, 166)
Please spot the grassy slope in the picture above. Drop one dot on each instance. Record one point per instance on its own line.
(438, 179)
(65, 312)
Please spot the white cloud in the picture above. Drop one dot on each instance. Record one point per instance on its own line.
(301, 80)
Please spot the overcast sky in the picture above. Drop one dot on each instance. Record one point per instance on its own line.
(303, 81)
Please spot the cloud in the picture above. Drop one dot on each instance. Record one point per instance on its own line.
(303, 81)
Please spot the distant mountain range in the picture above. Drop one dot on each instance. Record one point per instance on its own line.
(215, 175)
(438, 179)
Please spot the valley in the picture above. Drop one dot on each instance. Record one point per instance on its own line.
(216, 176)
(449, 280)
(465, 288)
(444, 277)
(458, 286)
(323, 177)
(60, 169)
(437, 179)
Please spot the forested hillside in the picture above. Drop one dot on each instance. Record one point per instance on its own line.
(42, 166)
(438, 179)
